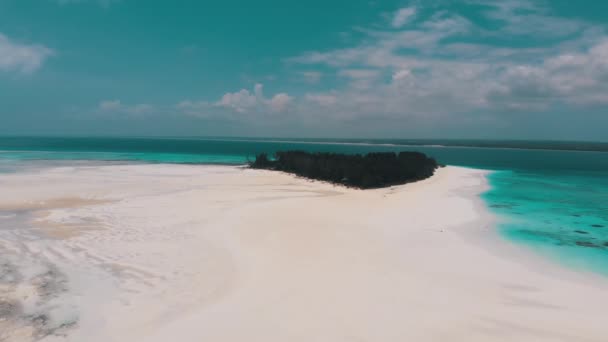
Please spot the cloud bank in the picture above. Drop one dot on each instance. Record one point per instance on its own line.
(445, 64)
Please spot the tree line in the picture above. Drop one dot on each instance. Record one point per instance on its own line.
(372, 170)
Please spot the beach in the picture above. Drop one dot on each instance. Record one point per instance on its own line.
(159, 252)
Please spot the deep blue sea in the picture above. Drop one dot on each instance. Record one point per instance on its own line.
(550, 196)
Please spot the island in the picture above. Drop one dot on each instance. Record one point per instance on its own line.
(368, 171)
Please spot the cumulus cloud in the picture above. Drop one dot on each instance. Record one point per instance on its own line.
(239, 102)
(23, 58)
(440, 67)
(280, 102)
(579, 78)
(443, 65)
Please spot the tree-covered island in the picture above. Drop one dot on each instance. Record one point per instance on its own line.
(372, 170)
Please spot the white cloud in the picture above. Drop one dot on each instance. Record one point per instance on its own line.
(401, 74)
(116, 106)
(280, 102)
(239, 101)
(141, 108)
(258, 90)
(403, 16)
(382, 47)
(324, 100)
(240, 106)
(524, 17)
(312, 76)
(23, 58)
(242, 101)
(108, 105)
(447, 25)
(437, 69)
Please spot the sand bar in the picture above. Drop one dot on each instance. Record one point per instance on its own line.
(217, 253)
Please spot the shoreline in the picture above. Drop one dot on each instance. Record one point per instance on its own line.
(189, 252)
(497, 244)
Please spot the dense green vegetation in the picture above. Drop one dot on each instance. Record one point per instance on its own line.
(373, 170)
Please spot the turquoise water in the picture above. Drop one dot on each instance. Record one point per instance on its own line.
(561, 215)
(550, 196)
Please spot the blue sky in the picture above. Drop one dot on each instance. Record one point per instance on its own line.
(510, 69)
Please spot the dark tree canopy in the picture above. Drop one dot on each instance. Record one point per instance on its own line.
(373, 170)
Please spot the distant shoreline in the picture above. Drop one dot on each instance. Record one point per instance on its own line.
(14, 142)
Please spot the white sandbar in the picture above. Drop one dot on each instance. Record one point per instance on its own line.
(217, 253)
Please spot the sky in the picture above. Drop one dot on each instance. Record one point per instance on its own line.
(475, 69)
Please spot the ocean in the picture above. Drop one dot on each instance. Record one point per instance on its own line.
(549, 196)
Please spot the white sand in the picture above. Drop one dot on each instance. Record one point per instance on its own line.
(203, 253)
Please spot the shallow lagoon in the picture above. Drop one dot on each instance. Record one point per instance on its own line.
(564, 216)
